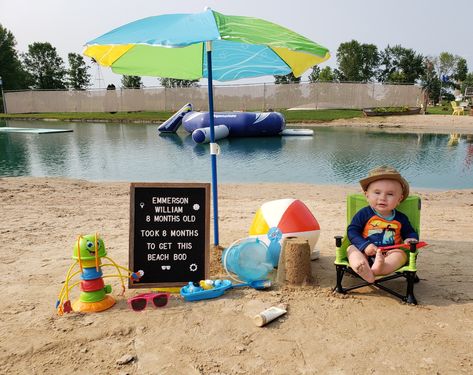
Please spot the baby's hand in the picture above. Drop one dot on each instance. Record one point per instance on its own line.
(371, 249)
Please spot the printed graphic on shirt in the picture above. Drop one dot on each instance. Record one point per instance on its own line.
(382, 232)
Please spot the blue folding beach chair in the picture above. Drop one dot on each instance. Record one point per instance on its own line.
(410, 207)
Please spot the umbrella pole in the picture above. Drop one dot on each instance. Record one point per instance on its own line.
(213, 145)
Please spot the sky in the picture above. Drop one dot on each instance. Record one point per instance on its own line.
(428, 27)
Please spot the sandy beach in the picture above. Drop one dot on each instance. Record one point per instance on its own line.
(366, 331)
(444, 124)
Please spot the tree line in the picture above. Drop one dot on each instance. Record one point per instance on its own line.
(42, 68)
(356, 62)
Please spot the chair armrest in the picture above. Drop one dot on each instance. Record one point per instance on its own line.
(341, 244)
(411, 264)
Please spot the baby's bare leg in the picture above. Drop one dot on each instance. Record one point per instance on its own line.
(359, 263)
(378, 264)
(392, 261)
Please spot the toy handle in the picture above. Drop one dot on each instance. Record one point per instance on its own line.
(240, 285)
(402, 246)
(256, 284)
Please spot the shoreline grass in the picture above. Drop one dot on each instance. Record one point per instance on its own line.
(293, 116)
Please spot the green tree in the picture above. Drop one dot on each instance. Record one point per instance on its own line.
(461, 70)
(174, 82)
(326, 74)
(467, 82)
(401, 65)
(78, 75)
(285, 79)
(369, 62)
(315, 74)
(349, 61)
(430, 82)
(131, 82)
(357, 62)
(12, 72)
(452, 68)
(45, 66)
(445, 64)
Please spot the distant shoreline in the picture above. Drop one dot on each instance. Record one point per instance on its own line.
(441, 124)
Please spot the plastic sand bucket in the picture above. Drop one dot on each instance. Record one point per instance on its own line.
(247, 259)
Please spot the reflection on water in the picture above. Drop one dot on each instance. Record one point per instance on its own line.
(130, 152)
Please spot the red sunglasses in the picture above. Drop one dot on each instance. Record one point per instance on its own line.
(139, 302)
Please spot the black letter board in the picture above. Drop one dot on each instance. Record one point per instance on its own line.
(169, 233)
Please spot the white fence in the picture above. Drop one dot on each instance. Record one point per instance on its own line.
(226, 98)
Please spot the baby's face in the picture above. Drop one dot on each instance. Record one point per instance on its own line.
(384, 195)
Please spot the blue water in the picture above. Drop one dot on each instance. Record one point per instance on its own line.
(135, 152)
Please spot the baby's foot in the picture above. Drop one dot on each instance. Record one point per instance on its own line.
(365, 272)
(378, 264)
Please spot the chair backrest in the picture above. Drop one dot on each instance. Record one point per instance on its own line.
(453, 104)
(410, 207)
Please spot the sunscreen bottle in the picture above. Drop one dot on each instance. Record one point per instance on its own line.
(269, 315)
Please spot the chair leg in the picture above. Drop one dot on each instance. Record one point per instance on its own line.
(410, 276)
(340, 273)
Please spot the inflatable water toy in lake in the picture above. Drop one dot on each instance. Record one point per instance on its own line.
(88, 253)
(174, 122)
(229, 124)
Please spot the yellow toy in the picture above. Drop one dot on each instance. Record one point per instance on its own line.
(206, 284)
(88, 253)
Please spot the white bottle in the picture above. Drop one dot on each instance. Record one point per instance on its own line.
(269, 315)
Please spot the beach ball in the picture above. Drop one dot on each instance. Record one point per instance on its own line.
(282, 218)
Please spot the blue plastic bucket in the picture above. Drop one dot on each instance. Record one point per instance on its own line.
(248, 259)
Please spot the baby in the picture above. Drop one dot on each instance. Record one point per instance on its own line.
(379, 224)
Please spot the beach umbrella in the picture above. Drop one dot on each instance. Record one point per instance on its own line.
(205, 45)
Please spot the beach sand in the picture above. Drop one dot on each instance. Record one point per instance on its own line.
(366, 331)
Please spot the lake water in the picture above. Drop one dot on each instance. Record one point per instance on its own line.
(136, 152)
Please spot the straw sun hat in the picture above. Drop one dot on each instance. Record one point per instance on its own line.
(385, 172)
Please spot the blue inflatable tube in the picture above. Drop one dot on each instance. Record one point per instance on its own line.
(202, 135)
(239, 124)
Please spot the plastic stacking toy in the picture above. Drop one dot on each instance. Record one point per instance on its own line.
(94, 297)
(282, 218)
(247, 259)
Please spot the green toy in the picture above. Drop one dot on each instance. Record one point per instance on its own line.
(88, 252)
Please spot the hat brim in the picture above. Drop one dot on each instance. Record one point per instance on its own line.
(387, 176)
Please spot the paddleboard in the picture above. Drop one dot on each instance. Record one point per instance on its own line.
(297, 132)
